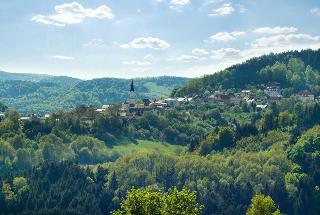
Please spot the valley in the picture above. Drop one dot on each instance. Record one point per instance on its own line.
(230, 142)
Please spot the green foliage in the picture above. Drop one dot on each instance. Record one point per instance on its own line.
(262, 205)
(307, 147)
(20, 185)
(3, 107)
(225, 138)
(141, 202)
(68, 189)
(147, 202)
(219, 178)
(89, 150)
(226, 153)
(53, 149)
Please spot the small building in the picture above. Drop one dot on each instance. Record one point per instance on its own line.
(182, 99)
(246, 92)
(158, 104)
(185, 100)
(103, 108)
(273, 92)
(305, 96)
(25, 119)
(249, 99)
(228, 99)
(100, 110)
(234, 100)
(262, 107)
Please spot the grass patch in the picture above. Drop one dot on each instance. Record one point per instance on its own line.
(156, 90)
(127, 147)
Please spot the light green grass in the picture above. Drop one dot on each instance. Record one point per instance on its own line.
(157, 90)
(147, 146)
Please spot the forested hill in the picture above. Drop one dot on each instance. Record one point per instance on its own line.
(249, 72)
(45, 94)
(37, 78)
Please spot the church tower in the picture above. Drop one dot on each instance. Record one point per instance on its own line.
(132, 95)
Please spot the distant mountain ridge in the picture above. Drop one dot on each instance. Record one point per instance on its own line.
(32, 93)
(36, 77)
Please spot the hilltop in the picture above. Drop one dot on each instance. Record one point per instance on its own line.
(5, 76)
(248, 74)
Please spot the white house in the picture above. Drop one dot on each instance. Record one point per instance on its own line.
(305, 96)
(274, 92)
(262, 106)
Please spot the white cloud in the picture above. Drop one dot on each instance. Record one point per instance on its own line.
(226, 36)
(189, 58)
(223, 10)
(285, 40)
(147, 61)
(148, 57)
(209, 2)
(275, 30)
(315, 11)
(137, 63)
(125, 46)
(73, 13)
(95, 43)
(199, 52)
(61, 57)
(147, 42)
(225, 53)
(177, 4)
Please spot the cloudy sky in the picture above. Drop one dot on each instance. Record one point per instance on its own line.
(135, 38)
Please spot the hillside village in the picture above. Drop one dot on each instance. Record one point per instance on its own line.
(261, 97)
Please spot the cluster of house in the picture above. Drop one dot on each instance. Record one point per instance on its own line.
(272, 92)
(23, 119)
(133, 107)
(34, 117)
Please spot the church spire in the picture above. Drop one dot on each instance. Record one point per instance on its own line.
(132, 86)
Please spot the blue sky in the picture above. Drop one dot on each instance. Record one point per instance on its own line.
(138, 38)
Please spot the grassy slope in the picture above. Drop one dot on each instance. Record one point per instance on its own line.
(127, 147)
(156, 90)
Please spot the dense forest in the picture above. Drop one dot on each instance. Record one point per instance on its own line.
(42, 95)
(227, 159)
